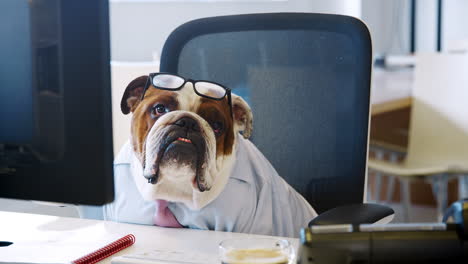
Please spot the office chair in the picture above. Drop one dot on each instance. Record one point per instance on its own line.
(438, 134)
(307, 80)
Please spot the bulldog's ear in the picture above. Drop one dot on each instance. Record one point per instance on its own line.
(243, 117)
(132, 95)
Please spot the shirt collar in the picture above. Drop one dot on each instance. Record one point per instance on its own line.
(125, 154)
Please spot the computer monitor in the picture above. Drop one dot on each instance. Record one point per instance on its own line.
(55, 101)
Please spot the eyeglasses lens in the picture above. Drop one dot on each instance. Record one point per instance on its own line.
(210, 89)
(168, 81)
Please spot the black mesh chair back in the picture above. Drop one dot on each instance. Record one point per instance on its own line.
(307, 80)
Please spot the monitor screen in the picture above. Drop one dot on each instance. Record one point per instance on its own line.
(55, 101)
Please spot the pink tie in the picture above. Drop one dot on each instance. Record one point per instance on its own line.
(163, 215)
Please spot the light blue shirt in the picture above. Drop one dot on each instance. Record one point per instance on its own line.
(255, 200)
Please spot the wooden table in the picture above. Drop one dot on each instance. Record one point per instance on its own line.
(391, 90)
(390, 108)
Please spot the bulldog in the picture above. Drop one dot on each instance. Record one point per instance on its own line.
(189, 163)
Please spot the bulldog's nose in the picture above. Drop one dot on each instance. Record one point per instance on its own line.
(189, 123)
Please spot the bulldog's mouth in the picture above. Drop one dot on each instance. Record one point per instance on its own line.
(186, 140)
(185, 149)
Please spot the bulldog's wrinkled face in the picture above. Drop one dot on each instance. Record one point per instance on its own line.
(184, 142)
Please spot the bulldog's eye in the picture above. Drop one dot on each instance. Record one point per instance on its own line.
(159, 109)
(217, 127)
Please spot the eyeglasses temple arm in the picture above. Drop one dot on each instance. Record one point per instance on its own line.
(230, 101)
(146, 87)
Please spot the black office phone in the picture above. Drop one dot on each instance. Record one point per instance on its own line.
(391, 243)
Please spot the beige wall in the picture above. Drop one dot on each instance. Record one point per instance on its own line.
(122, 73)
(139, 28)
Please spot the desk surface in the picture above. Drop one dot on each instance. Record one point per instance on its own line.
(51, 239)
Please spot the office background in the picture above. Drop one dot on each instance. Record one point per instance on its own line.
(140, 27)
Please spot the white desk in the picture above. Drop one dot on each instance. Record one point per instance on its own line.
(51, 239)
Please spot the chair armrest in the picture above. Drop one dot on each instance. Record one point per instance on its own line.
(355, 214)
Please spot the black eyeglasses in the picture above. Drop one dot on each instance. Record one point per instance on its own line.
(171, 82)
